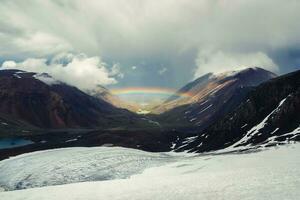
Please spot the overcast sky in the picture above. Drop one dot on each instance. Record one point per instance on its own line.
(120, 43)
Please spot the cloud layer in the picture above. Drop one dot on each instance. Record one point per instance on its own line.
(79, 70)
(220, 62)
(188, 37)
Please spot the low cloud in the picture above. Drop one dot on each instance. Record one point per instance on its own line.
(133, 67)
(219, 61)
(78, 70)
(116, 71)
(162, 71)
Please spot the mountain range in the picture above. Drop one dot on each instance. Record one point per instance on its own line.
(235, 110)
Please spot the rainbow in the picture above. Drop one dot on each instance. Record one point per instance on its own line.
(148, 91)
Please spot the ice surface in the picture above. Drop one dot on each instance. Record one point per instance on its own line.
(271, 174)
(69, 165)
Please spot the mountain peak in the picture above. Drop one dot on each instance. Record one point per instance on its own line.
(43, 77)
(211, 96)
(245, 71)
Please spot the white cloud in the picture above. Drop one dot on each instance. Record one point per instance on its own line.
(151, 26)
(162, 71)
(41, 44)
(218, 61)
(116, 71)
(133, 67)
(128, 31)
(78, 70)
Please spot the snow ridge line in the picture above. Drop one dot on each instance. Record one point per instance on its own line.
(254, 130)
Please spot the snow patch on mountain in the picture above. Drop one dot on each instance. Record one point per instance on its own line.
(254, 130)
(45, 78)
(273, 139)
(205, 109)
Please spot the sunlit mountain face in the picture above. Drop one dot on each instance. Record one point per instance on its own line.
(147, 99)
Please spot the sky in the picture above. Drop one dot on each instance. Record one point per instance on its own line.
(147, 43)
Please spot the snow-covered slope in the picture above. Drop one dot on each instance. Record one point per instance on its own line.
(270, 174)
(69, 165)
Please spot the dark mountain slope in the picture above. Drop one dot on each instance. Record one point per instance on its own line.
(41, 101)
(212, 96)
(268, 116)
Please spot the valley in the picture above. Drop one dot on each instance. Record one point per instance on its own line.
(227, 104)
(149, 100)
(243, 122)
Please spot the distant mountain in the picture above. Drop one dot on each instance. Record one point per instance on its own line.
(42, 101)
(258, 116)
(196, 84)
(268, 116)
(104, 94)
(211, 96)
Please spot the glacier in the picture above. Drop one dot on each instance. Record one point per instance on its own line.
(272, 173)
(77, 164)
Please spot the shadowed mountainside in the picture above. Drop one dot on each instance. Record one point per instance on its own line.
(44, 102)
(268, 116)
